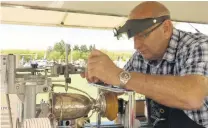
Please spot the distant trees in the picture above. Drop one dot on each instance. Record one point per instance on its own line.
(57, 52)
(79, 52)
(76, 48)
(60, 47)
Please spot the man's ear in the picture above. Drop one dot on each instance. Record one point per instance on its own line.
(167, 28)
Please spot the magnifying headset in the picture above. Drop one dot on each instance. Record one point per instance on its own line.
(135, 26)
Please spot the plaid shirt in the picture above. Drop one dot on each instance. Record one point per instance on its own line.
(187, 53)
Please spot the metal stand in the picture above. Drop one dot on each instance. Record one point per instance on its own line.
(131, 110)
(98, 114)
(30, 102)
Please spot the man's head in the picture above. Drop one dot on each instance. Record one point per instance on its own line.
(152, 42)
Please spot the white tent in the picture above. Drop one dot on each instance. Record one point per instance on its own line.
(93, 14)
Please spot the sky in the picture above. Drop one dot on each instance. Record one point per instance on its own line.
(40, 37)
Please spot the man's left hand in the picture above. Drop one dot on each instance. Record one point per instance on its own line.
(103, 68)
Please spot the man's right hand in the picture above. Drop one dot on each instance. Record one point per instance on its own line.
(90, 80)
(94, 80)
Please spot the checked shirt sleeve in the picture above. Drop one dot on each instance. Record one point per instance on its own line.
(129, 65)
(196, 61)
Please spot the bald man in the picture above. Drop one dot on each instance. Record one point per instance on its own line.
(169, 67)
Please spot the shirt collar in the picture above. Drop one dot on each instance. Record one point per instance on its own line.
(171, 51)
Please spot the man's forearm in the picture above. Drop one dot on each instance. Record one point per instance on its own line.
(184, 92)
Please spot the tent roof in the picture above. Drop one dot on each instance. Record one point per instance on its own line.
(94, 14)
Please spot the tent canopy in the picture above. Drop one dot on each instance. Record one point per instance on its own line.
(93, 14)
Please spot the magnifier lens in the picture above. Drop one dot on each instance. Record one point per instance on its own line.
(115, 32)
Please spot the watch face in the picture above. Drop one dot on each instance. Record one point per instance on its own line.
(125, 75)
(124, 78)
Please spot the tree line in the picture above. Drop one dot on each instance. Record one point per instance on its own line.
(57, 52)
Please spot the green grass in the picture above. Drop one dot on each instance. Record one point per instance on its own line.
(79, 83)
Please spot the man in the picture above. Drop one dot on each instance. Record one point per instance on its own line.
(170, 67)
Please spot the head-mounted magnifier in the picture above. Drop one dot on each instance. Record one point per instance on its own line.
(135, 26)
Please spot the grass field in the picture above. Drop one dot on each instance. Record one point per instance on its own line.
(81, 84)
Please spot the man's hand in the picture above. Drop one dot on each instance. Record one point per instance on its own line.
(101, 67)
(90, 80)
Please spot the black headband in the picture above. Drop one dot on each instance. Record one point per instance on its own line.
(134, 26)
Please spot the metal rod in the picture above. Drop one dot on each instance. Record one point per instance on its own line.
(20, 107)
(98, 114)
(132, 109)
(9, 109)
(71, 56)
(67, 68)
(30, 102)
(11, 73)
(98, 120)
(58, 80)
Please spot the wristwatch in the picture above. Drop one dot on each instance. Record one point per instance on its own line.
(124, 77)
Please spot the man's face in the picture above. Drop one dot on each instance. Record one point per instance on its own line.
(151, 43)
